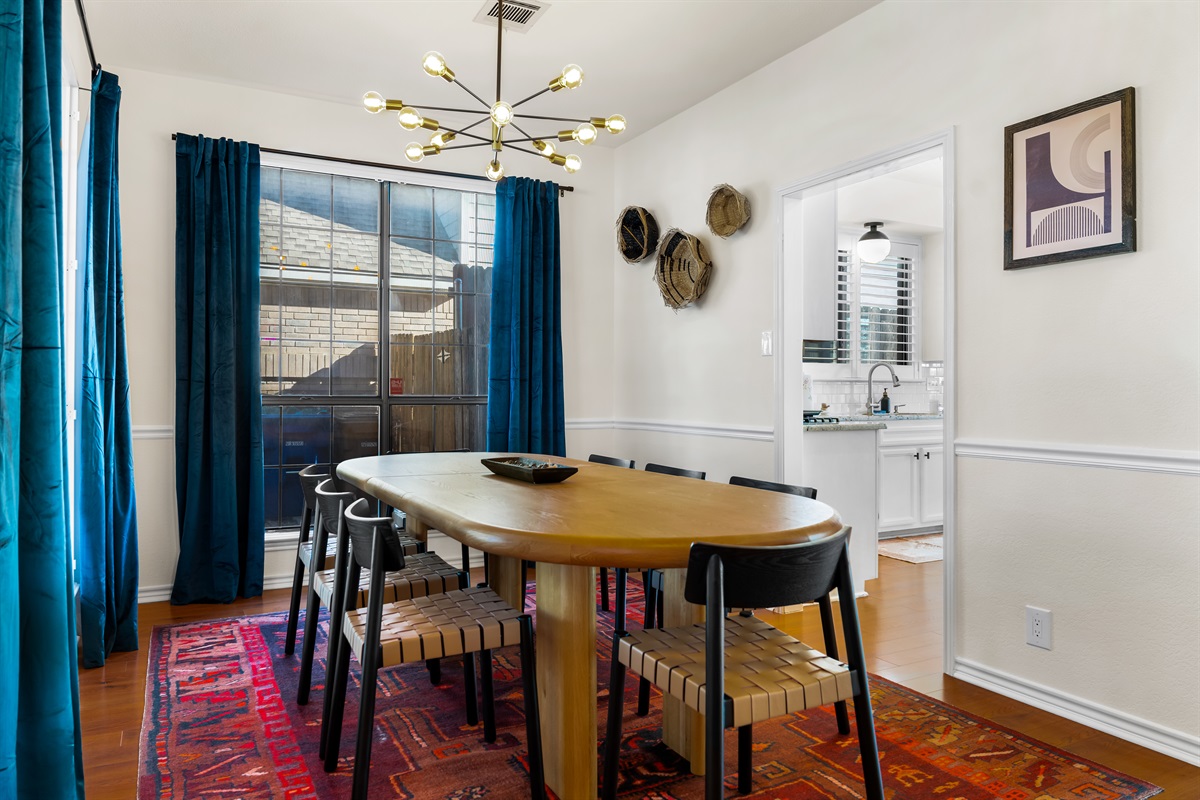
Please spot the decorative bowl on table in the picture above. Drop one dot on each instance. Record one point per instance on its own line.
(530, 470)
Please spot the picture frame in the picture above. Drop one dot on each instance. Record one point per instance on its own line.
(1069, 183)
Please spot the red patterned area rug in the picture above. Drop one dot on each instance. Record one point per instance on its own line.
(221, 721)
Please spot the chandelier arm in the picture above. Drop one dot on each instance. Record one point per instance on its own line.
(464, 87)
(451, 110)
(533, 138)
(527, 99)
(508, 146)
(468, 135)
(484, 143)
(522, 130)
(479, 121)
(554, 119)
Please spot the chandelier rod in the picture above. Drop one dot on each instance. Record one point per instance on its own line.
(555, 119)
(482, 102)
(499, 43)
(527, 99)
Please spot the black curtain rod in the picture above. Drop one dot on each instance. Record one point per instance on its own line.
(87, 39)
(361, 163)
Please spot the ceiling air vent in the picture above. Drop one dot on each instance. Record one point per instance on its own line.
(519, 15)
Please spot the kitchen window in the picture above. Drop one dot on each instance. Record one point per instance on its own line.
(375, 309)
(876, 314)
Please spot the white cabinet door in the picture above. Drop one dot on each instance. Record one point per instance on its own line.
(898, 475)
(931, 485)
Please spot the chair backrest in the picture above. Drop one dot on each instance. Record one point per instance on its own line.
(612, 462)
(331, 500)
(682, 473)
(786, 488)
(310, 476)
(364, 530)
(759, 577)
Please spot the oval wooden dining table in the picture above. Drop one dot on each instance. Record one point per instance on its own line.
(601, 516)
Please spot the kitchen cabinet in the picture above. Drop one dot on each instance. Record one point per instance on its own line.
(910, 478)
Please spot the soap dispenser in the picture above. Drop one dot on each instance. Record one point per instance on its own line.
(885, 403)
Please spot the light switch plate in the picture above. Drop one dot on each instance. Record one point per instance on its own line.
(768, 347)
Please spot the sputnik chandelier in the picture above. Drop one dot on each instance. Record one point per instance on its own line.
(502, 116)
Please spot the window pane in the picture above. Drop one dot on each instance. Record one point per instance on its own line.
(412, 369)
(356, 313)
(476, 319)
(411, 429)
(454, 212)
(306, 253)
(268, 310)
(412, 210)
(270, 435)
(445, 315)
(411, 263)
(291, 498)
(271, 497)
(306, 198)
(355, 369)
(411, 314)
(461, 427)
(304, 309)
(481, 368)
(355, 256)
(304, 368)
(306, 435)
(355, 432)
(356, 203)
(483, 272)
(269, 362)
(454, 370)
(485, 219)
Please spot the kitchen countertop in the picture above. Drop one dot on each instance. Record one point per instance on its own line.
(861, 422)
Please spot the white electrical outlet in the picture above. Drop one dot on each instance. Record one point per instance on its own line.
(767, 346)
(1037, 627)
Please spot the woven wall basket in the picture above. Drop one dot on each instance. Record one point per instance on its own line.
(728, 210)
(637, 234)
(683, 270)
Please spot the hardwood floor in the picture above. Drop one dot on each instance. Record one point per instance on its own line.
(902, 632)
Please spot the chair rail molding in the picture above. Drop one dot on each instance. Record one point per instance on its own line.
(1135, 459)
(1159, 738)
(757, 433)
(153, 431)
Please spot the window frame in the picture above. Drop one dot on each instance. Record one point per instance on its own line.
(283, 537)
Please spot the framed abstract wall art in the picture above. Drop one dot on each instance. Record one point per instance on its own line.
(1069, 183)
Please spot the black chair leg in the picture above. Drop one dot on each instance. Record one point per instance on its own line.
(469, 689)
(745, 758)
(434, 665)
(650, 595)
(533, 721)
(309, 646)
(366, 725)
(489, 700)
(831, 650)
(604, 606)
(331, 724)
(867, 745)
(289, 643)
(616, 699)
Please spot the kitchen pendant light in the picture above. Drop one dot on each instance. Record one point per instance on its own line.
(873, 246)
(501, 115)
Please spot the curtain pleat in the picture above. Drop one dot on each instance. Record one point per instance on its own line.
(40, 751)
(525, 375)
(218, 405)
(106, 511)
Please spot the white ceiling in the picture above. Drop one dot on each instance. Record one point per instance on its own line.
(645, 59)
(906, 201)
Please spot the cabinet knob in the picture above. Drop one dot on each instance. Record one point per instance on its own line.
(927, 454)
(917, 454)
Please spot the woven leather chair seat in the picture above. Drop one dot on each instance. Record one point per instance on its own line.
(437, 626)
(423, 574)
(767, 673)
(330, 553)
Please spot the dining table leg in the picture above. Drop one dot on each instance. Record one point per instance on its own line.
(566, 674)
(683, 728)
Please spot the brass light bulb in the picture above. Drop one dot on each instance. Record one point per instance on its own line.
(409, 118)
(545, 148)
(442, 138)
(414, 152)
(586, 133)
(495, 170)
(502, 113)
(572, 163)
(615, 123)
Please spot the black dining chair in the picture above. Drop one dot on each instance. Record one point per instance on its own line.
(461, 622)
(612, 462)
(764, 672)
(309, 477)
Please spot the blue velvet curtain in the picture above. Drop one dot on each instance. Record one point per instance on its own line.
(218, 405)
(40, 751)
(106, 512)
(525, 375)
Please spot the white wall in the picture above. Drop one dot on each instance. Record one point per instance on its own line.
(1047, 358)
(155, 106)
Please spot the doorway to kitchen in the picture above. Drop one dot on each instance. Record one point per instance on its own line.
(864, 327)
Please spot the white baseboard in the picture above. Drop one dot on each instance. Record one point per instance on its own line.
(1153, 736)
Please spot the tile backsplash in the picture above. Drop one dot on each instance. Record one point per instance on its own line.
(849, 397)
